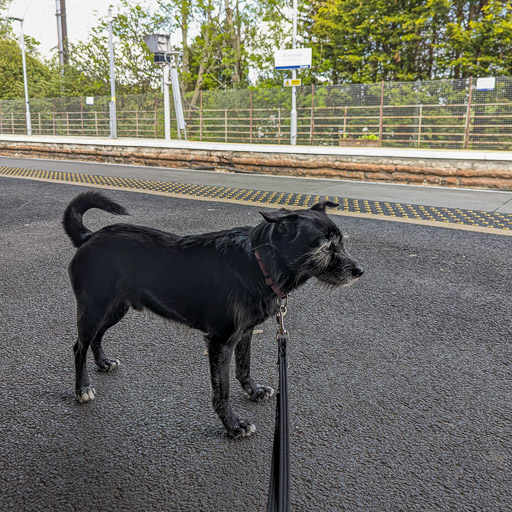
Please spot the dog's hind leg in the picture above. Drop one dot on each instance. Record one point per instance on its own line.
(91, 314)
(256, 392)
(87, 330)
(220, 352)
(84, 392)
(103, 362)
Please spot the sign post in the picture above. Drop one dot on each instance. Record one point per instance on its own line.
(296, 58)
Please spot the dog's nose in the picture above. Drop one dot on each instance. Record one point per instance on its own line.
(357, 271)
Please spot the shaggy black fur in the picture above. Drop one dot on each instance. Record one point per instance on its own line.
(211, 282)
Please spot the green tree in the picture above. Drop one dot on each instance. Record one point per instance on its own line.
(5, 26)
(177, 15)
(42, 80)
(411, 39)
(217, 55)
(379, 40)
(135, 72)
(478, 39)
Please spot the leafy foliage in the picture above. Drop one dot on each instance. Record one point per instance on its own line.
(412, 39)
(134, 67)
(42, 81)
(229, 44)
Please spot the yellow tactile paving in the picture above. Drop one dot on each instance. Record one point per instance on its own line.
(451, 217)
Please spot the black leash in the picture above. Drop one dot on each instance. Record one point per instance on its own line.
(279, 489)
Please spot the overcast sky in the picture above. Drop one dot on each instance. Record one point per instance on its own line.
(41, 22)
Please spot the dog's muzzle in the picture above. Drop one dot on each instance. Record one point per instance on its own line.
(344, 276)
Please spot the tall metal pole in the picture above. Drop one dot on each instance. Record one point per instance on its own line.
(25, 80)
(293, 115)
(64, 30)
(59, 34)
(112, 104)
(167, 104)
(178, 105)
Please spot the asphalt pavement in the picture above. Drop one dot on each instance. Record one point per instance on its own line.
(400, 386)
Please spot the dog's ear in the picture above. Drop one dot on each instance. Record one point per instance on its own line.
(276, 216)
(320, 207)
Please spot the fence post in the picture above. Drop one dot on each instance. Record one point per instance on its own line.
(200, 115)
(82, 113)
(345, 123)
(250, 123)
(156, 121)
(381, 114)
(96, 122)
(12, 122)
(39, 120)
(53, 111)
(137, 122)
(67, 122)
(225, 125)
(312, 123)
(419, 125)
(468, 114)
(1, 118)
(156, 116)
(279, 125)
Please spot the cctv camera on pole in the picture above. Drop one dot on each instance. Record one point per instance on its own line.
(160, 46)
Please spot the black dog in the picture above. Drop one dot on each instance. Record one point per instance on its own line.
(222, 283)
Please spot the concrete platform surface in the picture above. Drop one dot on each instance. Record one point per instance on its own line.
(485, 200)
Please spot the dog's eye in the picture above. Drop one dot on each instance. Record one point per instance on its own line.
(328, 248)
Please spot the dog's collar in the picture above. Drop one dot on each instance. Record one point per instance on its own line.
(268, 278)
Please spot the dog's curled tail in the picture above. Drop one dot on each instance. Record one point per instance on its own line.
(73, 221)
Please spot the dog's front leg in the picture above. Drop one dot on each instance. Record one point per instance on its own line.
(220, 351)
(255, 391)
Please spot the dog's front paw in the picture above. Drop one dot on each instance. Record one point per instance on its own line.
(242, 429)
(259, 393)
(85, 394)
(107, 365)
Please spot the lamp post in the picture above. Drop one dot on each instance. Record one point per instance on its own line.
(293, 59)
(112, 103)
(25, 82)
(59, 36)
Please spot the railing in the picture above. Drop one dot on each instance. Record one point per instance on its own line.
(421, 126)
(343, 115)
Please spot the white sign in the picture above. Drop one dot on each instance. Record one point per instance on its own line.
(292, 82)
(486, 84)
(89, 100)
(298, 58)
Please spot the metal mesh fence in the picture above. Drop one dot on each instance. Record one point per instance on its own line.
(447, 114)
